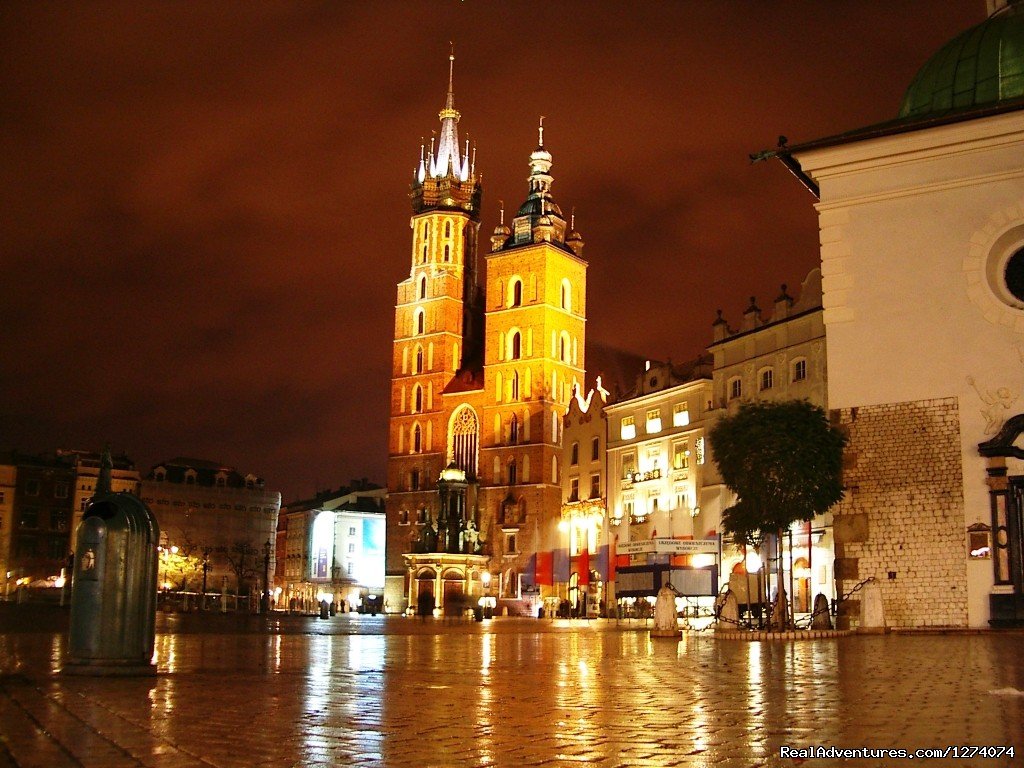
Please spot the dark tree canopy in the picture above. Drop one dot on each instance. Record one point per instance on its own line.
(783, 460)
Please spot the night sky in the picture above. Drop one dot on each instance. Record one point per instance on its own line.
(204, 209)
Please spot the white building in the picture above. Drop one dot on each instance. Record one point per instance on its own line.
(922, 248)
(334, 548)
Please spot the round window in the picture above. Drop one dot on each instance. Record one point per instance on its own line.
(1013, 274)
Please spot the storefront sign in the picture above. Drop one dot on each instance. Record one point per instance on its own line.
(667, 546)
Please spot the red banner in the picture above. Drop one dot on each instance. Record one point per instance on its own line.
(544, 569)
(583, 567)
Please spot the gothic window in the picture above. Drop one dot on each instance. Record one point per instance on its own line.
(419, 323)
(516, 293)
(566, 295)
(447, 230)
(574, 458)
(417, 439)
(574, 489)
(511, 473)
(595, 449)
(515, 345)
(423, 258)
(423, 287)
(514, 385)
(414, 485)
(513, 430)
(417, 395)
(563, 348)
(447, 253)
(465, 439)
(419, 359)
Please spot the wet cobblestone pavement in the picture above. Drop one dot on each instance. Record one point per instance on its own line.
(395, 691)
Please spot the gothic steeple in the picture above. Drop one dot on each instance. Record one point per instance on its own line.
(447, 179)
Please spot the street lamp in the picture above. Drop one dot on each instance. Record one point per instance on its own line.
(265, 600)
(206, 571)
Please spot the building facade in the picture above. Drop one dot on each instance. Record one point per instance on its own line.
(37, 510)
(217, 519)
(482, 374)
(333, 549)
(922, 232)
(781, 356)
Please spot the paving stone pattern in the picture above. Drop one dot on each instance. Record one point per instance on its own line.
(400, 692)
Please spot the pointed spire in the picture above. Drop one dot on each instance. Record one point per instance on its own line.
(501, 209)
(540, 133)
(450, 101)
(448, 162)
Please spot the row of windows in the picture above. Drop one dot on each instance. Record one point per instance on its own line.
(652, 421)
(680, 457)
(595, 452)
(514, 293)
(57, 519)
(766, 378)
(33, 487)
(595, 487)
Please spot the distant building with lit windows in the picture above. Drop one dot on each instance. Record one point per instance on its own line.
(482, 376)
(779, 356)
(662, 484)
(333, 548)
(215, 513)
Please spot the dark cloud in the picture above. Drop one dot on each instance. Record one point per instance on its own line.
(205, 206)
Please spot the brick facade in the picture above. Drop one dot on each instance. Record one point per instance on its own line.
(902, 521)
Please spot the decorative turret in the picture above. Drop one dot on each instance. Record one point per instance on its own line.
(575, 239)
(447, 179)
(539, 219)
(752, 315)
(501, 232)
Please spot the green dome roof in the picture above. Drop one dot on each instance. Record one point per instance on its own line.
(981, 67)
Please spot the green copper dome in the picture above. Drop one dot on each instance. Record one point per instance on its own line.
(981, 67)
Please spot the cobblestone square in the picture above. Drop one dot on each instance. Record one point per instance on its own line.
(358, 690)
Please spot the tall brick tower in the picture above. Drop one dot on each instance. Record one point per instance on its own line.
(533, 355)
(480, 382)
(437, 321)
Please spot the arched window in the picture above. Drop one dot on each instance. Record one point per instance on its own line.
(447, 253)
(423, 287)
(566, 295)
(563, 348)
(423, 258)
(515, 345)
(417, 397)
(595, 449)
(448, 228)
(512, 475)
(426, 229)
(419, 359)
(514, 385)
(417, 439)
(465, 440)
(515, 298)
(513, 430)
(419, 323)
(574, 458)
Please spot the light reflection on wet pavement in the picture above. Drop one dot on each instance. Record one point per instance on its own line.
(395, 691)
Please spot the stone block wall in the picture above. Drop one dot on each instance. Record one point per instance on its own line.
(902, 520)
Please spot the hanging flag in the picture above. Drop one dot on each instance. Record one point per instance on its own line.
(612, 560)
(583, 567)
(561, 566)
(544, 571)
(601, 563)
(530, 572)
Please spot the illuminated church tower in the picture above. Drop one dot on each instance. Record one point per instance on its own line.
(480, 381)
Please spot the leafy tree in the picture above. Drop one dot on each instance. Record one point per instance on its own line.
(783, 460)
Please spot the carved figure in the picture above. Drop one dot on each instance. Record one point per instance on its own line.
(997, 402)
